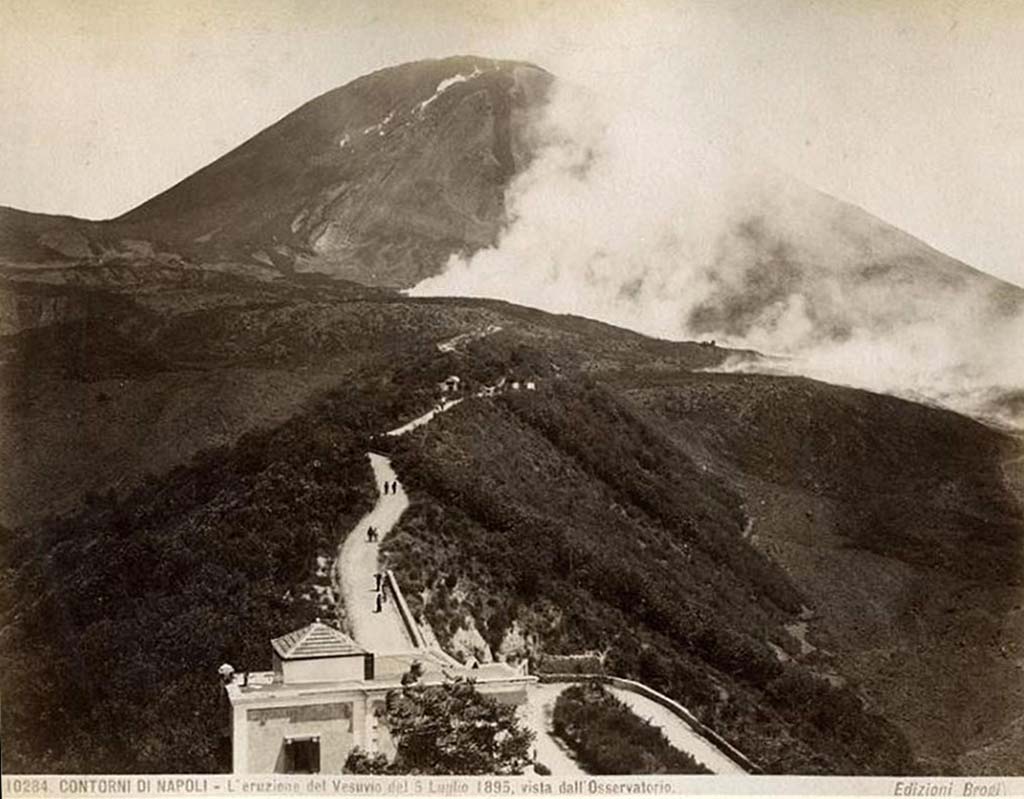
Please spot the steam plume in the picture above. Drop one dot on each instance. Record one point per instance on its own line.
(644, 212)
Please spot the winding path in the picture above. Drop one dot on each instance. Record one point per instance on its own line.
(358, 561)
(678, 732)
(419, 421)
(536, 714)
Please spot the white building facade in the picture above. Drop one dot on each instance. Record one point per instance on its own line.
(325, 697)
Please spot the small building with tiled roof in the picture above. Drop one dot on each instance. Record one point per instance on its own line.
(325, 696)
(319, 653)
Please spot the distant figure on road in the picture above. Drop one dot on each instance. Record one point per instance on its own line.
(378, 608)
(386, 486)
(394, 487)
(378, 577)
(369, 533)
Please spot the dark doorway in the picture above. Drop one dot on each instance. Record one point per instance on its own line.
(302, 756)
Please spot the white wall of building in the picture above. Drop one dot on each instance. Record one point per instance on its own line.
(339, 669)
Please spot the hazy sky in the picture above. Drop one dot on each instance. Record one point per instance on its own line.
(913, 110)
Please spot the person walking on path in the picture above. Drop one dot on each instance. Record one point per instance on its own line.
(378, 608)
(386, 486)
(369, 533)
(394, 487)
(379, 577)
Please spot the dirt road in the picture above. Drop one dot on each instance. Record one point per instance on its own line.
(358, 561)
(419, 421)
(679, 734)
(536, 714)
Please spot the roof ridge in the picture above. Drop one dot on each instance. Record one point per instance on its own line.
(315, 640)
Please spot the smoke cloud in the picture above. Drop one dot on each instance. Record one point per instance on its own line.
(643, 208)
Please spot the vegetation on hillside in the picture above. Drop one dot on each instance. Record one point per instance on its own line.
(897, 521)
(596, 514)
(195, 359)
(564, 513)
(115, 619)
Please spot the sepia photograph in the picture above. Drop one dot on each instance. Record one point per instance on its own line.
(511, 397)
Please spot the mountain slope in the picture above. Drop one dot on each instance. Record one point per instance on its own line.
(382, 179)
(904, 536)
(197, 358)
(378, 181)
(675, 519)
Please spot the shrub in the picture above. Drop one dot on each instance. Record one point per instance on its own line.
(570, 664)
(452, 728)
(360, 761)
